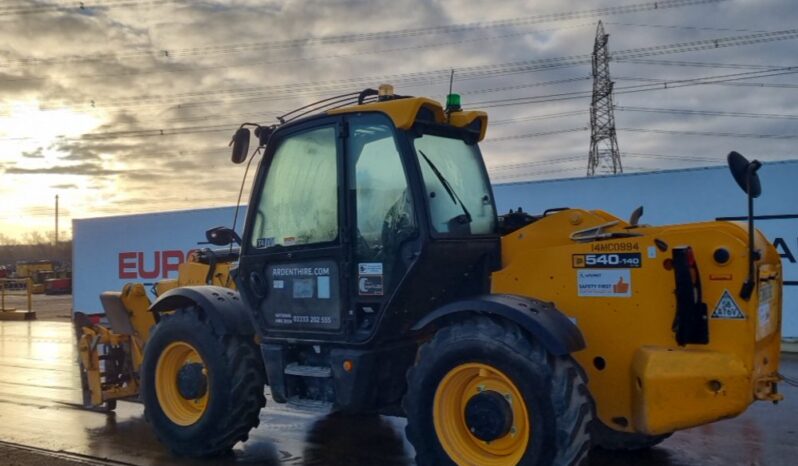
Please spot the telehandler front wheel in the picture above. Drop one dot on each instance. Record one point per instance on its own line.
(483, 393)
(202, 392)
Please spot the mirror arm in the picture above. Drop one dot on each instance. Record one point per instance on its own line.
(237, 239)
(748, 286)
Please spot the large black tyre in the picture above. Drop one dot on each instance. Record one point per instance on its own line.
(610, 439)
(552, 388)
(233, 385)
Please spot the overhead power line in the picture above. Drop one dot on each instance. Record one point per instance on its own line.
(663, 85)
(681, 27)
(475, 72)
(657, 85)
(143, 133)
(283, 91)
(711, 133)
(538, 117)
(518, 175)
(389, 34)
(720, 159)
(693, 64)
(517, 168)
(534, 163)
(707, 113)
(706, 44)
(79, 7)
(526, 86)
(465, 73)
(175, 67)
(536, 135)
(731, 83)
(229, 127)
(684, 158)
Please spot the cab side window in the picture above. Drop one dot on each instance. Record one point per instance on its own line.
(299, 201)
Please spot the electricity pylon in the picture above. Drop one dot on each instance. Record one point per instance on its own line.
(604, 155)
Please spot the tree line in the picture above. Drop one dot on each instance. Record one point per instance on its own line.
(34, 246)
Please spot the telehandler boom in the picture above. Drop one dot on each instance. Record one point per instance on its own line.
(374, 275)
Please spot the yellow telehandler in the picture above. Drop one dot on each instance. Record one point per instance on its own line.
(374, 275)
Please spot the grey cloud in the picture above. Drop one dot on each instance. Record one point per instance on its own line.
(34, 154)
(86, 169)
(106, 146)
(224, 88)
(21, 83)
(79, 154)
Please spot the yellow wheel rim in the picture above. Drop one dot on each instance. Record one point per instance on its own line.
(449, 406)
(180, 410)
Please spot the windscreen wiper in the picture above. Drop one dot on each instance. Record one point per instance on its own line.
(448, 187)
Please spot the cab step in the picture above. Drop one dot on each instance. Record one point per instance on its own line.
(314, 406)
(307, 371)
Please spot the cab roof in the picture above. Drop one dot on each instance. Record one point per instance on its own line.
(404, 111)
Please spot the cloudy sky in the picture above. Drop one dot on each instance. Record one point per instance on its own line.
(124, 106)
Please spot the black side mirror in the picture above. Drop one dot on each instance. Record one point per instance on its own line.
(222, 236)
(744, 173)
(240, 145)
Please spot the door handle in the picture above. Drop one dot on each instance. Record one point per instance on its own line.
(257, 285)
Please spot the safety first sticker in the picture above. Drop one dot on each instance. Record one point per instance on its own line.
(727, 308)
(602, 283)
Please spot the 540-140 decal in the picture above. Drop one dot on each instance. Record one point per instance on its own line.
(607, 261)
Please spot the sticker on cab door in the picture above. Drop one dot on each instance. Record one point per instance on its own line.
(370, 279)
(264, 242)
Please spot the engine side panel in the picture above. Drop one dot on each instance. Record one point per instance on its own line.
(620, 292)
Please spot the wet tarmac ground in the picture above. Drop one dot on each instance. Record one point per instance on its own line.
(40, 394)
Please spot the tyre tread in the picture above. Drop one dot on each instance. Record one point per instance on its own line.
(246, 392)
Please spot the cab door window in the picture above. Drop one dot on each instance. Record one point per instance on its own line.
(299, 200)
(384, 214)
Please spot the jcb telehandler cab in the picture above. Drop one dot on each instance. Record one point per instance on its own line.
(374, 275)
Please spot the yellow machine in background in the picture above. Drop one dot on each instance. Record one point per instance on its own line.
(37, 271)
(503, 339)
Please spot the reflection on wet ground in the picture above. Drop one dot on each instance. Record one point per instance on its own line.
(40, 392)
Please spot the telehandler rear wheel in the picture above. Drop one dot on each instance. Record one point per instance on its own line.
(483, 393)
(202, 392)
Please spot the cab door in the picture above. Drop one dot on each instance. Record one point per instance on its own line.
(293, 262)
(385, 227)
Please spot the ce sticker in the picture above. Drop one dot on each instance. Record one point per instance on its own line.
(370, 285)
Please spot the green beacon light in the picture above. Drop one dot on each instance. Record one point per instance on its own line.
(453, 103)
